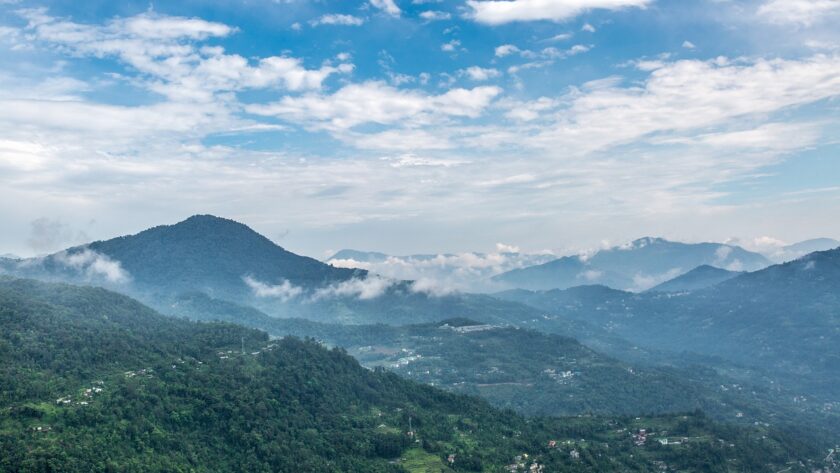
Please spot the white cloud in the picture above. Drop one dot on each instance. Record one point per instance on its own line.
(338, 19)
(388, 6)
(688, 45)
(163, 49)
(349, 263)
(431, 287)
(435, 15)
(588, 28)
(410, 160)
(441, 274)
(496, 12)
(505, 248)
(94, 265)
(685, 95)
(561, 37)
(367, 288)
(801, 12)
(480, 74)
(506, 50)
(284, 291)
(531, 110)
(377, 102)
(450, 46)
(609, 152)
(578, 49)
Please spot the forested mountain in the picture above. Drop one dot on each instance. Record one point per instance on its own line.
(227, 260)
(638, 265)
(94, 381)
(204, 253)
(698, 278)
(784, 319)
(536, 373)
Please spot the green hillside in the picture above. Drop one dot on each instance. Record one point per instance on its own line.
(93, 381)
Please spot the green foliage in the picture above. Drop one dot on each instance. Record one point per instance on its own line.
(93, 381)
(783, 321)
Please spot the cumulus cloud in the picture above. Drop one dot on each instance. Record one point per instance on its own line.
(480, 74)
(685, 129)
(167, 51)
(538, 58)
(387, 6)
(377, 102)
(690, 94)
(337, 19)
(506, 50)
(431, 287)
(367, 288)
(799, 12)
(496, 12)
(450, 46)
(93, 265)
(283, 291)
(446, 273)
(505, 248)
(435, 15)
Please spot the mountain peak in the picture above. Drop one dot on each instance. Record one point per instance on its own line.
(212, 254)
(646, 241)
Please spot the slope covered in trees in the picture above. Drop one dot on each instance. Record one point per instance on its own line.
(784, 319)
(94, 381)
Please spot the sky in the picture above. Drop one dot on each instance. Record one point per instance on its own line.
(421, 126)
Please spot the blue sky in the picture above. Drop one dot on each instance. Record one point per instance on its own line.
(421, 125)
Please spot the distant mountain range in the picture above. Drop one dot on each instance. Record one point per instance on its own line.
(798, 250)
(636, 266)
(783, 319)
(698, 278)
(469, 272)
(94, 381)
(773, 325)
(759, 323)
(227, 260)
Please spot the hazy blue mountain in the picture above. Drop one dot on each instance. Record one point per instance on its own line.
(227, 260)
(636, 266)
(213, 254)
(798, 250)
(94, 381)
(698, 278)
(361, 256)
(467, 272)
(784, 319)
(203, 253)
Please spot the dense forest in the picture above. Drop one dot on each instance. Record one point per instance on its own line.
(533, 372)
(95, 381)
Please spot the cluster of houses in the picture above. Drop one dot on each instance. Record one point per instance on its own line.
(409, 358)
(559, 376)
(147, 372)
(521, 463)
(640, 437)
(469, 328)
(87, 393)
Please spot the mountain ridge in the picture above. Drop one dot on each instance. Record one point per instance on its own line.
(637, 265)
